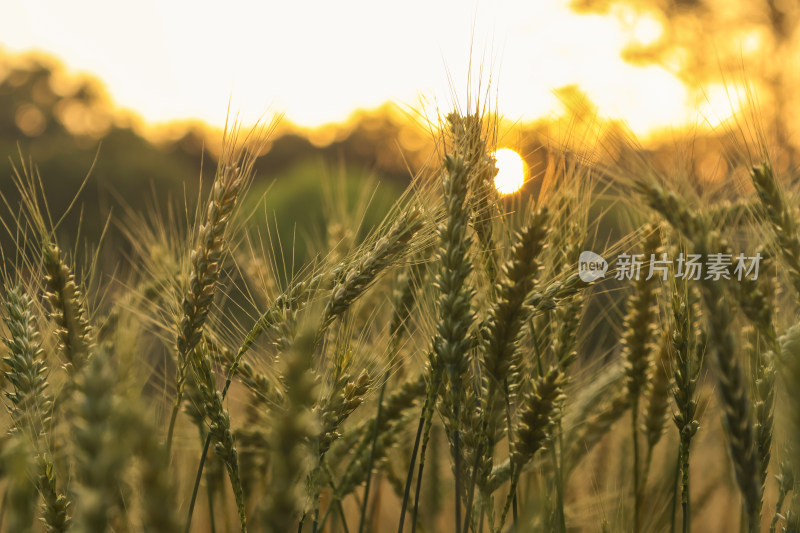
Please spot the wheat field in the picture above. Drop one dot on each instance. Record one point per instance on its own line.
(451, 369)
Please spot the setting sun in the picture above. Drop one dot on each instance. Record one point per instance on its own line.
(511, 171)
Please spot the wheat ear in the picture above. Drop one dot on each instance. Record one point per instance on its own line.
(452, 341)
(755, 299)
(471, 144)
(501, 338)
(32, 404)
(657, 394)
(686, 370)
(656, 401)
(387, 427)
(68, 308)
(99, 459)
(785, 481)
(737, 418)
(637, 347)
(206, 261)
(533, 429)
(356, 279)
(219, 425)
(500, 335)
(18, 469)
(784, 225)
(292, 427)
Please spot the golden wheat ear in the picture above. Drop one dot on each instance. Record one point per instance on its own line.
(235, 171)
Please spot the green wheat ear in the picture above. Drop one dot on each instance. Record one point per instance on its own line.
(501, 337)
(68, 308)
(219, 428)
(98, 459)
(358, 277)
(32, 404)
(25, 366)
(472, 143)
(235, 170)
(537, 415)
(292, 427)
(205, 271)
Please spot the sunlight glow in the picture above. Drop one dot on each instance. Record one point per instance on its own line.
(643, 28)
(318, 69)
(647, 30)
(718, 103)
(511, 171)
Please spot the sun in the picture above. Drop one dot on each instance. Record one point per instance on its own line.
(511, 171)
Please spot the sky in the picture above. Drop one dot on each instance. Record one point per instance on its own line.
(318, 61)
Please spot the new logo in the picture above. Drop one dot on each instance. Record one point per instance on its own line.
(591, 266)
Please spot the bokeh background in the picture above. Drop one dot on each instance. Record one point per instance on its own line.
(139, 93)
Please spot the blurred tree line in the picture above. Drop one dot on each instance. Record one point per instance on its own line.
(65, 126)
(704, 40)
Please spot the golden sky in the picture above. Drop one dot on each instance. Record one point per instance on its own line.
(317, 61)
